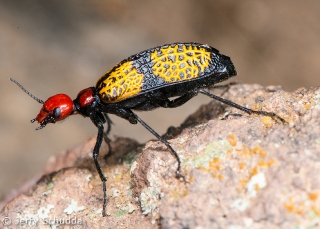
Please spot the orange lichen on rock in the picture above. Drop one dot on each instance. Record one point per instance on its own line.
(313, 196)
(242, 165)
(254, 171)
(266, 163)
(258, 150)
(267, 121)
(232, 140)
(306, 204)
(295, 208)
(251, 160)
(243, 182)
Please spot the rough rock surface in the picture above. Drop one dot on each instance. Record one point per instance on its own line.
(241, 171)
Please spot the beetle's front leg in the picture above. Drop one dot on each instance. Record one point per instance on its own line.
(97, 122)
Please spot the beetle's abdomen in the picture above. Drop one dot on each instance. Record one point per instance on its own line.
(160, 67)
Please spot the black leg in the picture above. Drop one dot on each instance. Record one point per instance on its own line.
(96, 149)
(108, 141)
(105, 135)
(133, 119)
(247, 110)
(174, 153)
(224, 87)
(126, 114)
(178, 101)
(109, 122)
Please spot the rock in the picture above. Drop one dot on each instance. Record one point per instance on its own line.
(241, 171)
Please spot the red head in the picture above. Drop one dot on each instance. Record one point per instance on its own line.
(55, 109)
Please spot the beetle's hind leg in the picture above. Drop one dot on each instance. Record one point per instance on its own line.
(224, 87)
(247, 110)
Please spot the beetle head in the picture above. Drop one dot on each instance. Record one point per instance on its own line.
(54, 109)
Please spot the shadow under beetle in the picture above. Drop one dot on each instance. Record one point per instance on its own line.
(143, 82)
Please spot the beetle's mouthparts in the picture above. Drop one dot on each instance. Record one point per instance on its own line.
(47, 120)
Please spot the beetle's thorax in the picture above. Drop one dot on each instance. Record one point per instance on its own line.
(86, 102)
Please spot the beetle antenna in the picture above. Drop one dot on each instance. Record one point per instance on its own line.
(23, 89)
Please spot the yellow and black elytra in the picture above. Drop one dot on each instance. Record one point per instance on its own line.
(161, 67)
(144, 81)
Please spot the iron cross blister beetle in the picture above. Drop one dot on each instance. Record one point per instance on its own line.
(143, 82)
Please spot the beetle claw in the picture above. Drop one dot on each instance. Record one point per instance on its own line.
(40, 127)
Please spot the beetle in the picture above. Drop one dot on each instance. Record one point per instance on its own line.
(143, 82)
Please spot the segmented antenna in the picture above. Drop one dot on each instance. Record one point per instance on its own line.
(23, 89)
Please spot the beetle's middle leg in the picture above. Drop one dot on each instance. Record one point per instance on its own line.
(178, 172)
(105, 135)
(134, 119)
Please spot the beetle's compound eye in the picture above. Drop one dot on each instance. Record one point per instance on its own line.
(57, 113)
(56, 108)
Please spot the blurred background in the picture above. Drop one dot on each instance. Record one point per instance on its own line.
(62, 46)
